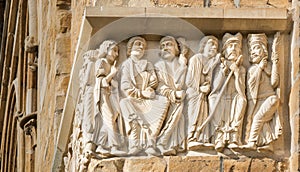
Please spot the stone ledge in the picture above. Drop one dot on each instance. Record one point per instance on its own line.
(201, 12)
(187, 163)
(209, 20)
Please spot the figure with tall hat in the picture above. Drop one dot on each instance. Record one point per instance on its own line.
(263, 124)
(227, 100)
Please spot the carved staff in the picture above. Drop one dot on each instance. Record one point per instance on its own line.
(219, 96)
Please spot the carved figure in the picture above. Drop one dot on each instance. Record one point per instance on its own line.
(107, 114)
(171, 73)
(227, 100)
(263, 78)
(85, 106)
(198, 81)
(142, 109)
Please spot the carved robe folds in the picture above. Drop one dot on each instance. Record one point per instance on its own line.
(198, 87)
(143, 117)
(263, 124)
(171, 79)
(107, 112)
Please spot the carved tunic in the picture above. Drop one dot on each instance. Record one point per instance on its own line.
(171, 76)
(199, 74)
(143, 117)
(263, 125)
(228, 116)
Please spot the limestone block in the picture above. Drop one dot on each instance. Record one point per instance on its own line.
(61, 84)
(109, 2)
(108, 165)
(179, 3)
(63, 20)
(62, 50)
(264, 3)
(248, 164)
(145, 164)
(278, 3)
(140, 3)
(237, 165)
(223, 3)
(263, 165)
(209, 163)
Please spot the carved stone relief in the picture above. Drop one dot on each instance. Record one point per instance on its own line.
(179, 103)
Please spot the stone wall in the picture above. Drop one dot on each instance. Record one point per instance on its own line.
(193, 164)
(59, 27)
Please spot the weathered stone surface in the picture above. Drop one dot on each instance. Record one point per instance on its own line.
(179, 3)
(249, 164)
(264, 3)
(187, 163)
(108, 165)
(145, 164)
(209, 163)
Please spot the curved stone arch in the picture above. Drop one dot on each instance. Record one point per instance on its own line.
(9, 147)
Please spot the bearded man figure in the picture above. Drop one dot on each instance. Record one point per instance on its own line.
(263, 125)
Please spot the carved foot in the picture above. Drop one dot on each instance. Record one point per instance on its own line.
(233, 146)
(250, 146)
(266, 148)
(114, 151)
(102, 151)
(219, 146)
(167, 152)
(194, 145)
(151, 151)
(134, 150)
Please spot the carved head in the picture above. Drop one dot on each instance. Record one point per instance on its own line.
(109, 49)
(168, 47)
(257, 46)
(136, 47)
(232, 46)
(209, 46)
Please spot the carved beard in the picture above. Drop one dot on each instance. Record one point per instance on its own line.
(255, 58)
(232, 56)
(167, 54)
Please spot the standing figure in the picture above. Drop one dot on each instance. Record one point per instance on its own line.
(142, 109)
(171, 73)
(263, 78)
(106, 133)
(198, 81)
(227, 100)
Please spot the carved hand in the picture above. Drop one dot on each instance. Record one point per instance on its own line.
(114, 69)
(274, 58)
(263, 63)
(180, 95)
(234, 67)
(205, 88)
(224, 66)
(148, 93)
(182, 60)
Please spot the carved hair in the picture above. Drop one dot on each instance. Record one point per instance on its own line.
(170, 38)
(204, 41)
(104, 47)
(131, 41)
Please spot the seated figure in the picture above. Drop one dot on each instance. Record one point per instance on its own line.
(143, 110)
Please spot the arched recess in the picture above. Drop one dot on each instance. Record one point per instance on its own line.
(10, 137)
